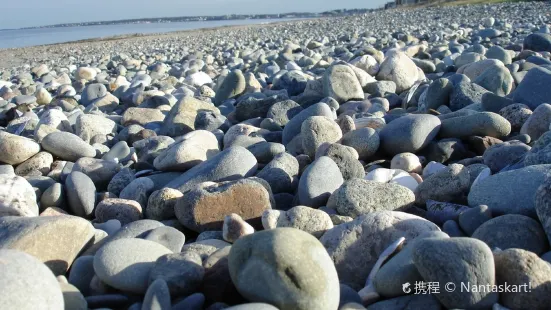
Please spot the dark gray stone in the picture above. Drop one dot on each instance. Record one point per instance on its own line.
(445, 185)
(283, 111)
(120, 181)
(399, 269)
(183, 272)
(281, 173)
(254, 107)
(436, 95)
(499, 156)
(293, 81)
(233, 85)
(230, 164)
(293, 127)
(510, 192)
(457, 260)
(192, 302)
(318, 182)
(478, 124)
(534, 90)
(157, 296)
(409, 133)
(347, 295)
(82, 272)
(465, 93)
(444, 150)
(346, 159)
(81, 194)
(452, 229)
(278, 267)
(513, 231)
(125, 264)
(543, 205)
(494, 103)
(538, 42)
(471, 219)
(361, 242)
(365, 141)
(208, 120)
(410, 302)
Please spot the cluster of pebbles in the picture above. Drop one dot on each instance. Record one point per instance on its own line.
(320, 164)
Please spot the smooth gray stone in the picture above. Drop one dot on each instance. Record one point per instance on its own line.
(192, 302)
(100, 171)
(81, 194)
(125, 264)
(67, 146)
(361, 241)
(92, 92)
(27, 284)
(478, 124)
(157, 296)
(170, 237)
(230, 164)
(471, 219)
(356, 197)
(293, 127)
(183, 272)
(119, 151)
(538, 42)
(264, 152)
(318, 182)
(494, 103)
(137, 229)
(510, 192)
(457, 260)
(513, 231)
(400, 269)
(534, 90)
(409, 133)
(82, 272)
(262, 264)
(281, 173)
(451, 228)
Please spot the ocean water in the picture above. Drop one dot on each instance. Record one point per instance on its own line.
(41, 36)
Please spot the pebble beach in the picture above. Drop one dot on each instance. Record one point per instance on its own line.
(398, 159)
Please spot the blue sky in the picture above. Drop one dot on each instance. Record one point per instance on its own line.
(28, 13)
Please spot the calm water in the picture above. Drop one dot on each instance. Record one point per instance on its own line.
(40, 36)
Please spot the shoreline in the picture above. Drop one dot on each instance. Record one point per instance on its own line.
(175, 32)
(16, 56)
